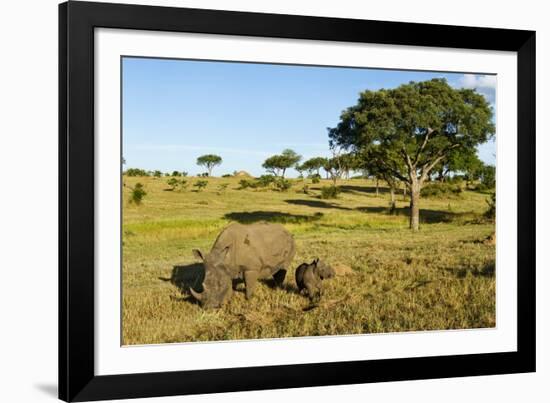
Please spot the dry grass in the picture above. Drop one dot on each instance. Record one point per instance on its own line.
(440, 278)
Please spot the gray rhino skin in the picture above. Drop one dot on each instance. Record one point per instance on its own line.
(309, 278)
(247, 252)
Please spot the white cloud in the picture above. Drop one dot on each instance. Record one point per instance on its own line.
(484, 84)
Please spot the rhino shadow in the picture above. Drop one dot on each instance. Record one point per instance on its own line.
(187, 276)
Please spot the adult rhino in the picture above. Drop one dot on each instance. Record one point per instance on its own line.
(247, 252)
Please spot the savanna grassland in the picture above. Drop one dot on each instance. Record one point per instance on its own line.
(442, 277)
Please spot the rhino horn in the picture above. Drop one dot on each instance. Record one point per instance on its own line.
(195, 294)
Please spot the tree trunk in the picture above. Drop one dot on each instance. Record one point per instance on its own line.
(209, 171)
(392, 199)
(283, 174)
(376, 186)
(415, 206)
(404, 191)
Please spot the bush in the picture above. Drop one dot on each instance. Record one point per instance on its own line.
(176, 173)
(265, 180)
(247, 183)
(440, 190)
(315, 179)
(157, 174)
(222, 187)
(137, 194)
(330, 192)
(200, 185)
(492, 209)
(227, 176)
(283, 184)
(136, 172)
(175, 183)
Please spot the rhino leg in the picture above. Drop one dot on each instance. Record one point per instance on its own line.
(250, 279)
(279, 277)
(314, 292)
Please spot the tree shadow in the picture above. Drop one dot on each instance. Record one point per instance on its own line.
(363, 189)
(316, 204)
(187, 276)
(426, 216)
(247, 217)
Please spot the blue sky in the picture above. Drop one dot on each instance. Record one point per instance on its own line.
(177, 110)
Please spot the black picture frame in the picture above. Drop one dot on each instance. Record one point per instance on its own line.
(77, 21)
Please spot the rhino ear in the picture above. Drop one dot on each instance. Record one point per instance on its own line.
(197, 253)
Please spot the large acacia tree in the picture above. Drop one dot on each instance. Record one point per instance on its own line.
(410, 129)
(278, 164)
(209, 161)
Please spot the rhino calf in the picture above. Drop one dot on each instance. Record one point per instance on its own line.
(309, 277)
(247, 252)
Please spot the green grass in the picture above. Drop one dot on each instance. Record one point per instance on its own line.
(442, 277)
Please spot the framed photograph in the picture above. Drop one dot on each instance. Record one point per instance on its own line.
(258, 201)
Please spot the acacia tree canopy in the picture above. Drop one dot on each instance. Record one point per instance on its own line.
(278, 164)
(408, 130)
(209, 161)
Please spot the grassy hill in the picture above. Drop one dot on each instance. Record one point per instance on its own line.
(442, 277)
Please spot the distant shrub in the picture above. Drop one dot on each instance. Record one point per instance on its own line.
(488, 176)
(176, 173)
(283, 184)
(330, 192)
(200, 185)
(136, 172)
(203, 175)
(157, 174)
(265, 180)
(137, 194)
(177, 183)
(227, 176)
(480, 187)
(247, 183)
(441, 189)
(492, 207)
(222, 187)
(315, 179)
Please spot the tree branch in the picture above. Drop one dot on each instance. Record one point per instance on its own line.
(426, 137)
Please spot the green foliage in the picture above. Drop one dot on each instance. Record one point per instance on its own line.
(278, 164)
(441, 190)
(283, 184)
(137, 194)
(209, 161)
(136, 172)
(488, 176)
(265, 180)
(227, 176)
(177, 183)
(157, 174)
(247, 183)
(200, 185)
(222, 187)
(313, 165)
(492, 207)
(330, 192)
(176, 173)
(315, 178)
